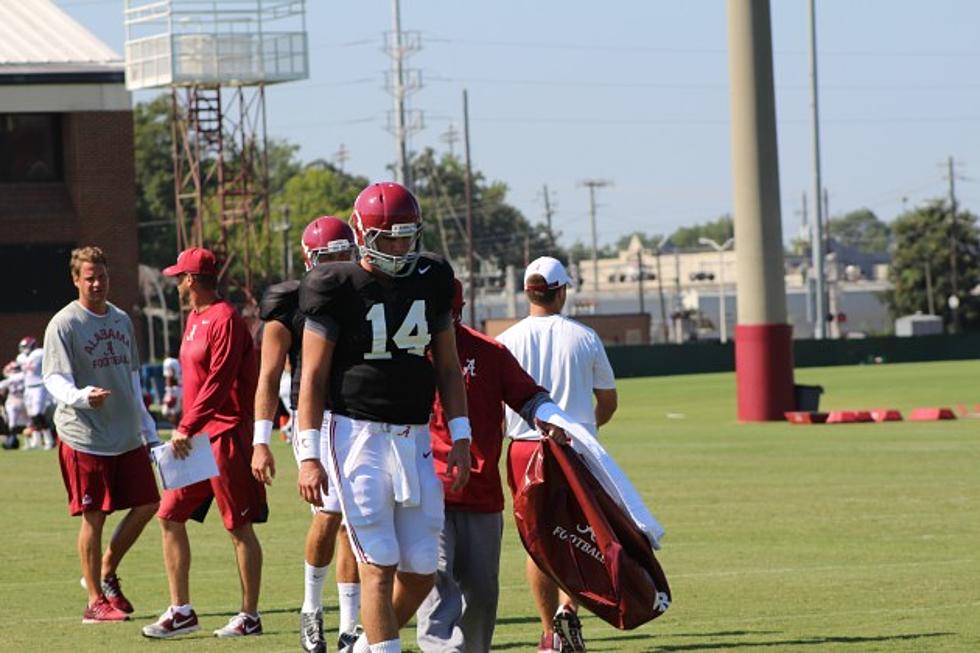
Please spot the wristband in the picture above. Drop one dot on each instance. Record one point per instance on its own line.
(459, 429)
(263, 432)
(308, 445)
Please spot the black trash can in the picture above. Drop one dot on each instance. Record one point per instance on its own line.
(807, 397)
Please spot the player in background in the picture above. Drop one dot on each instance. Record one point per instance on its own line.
(12, 389)
(369, 325)
(569, 359)
(172, 389)
(326, 239)
(30, 357)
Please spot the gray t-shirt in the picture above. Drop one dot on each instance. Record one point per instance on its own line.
(97, 350)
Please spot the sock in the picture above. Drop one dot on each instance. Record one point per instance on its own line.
(48, 439)
(313, 579)
(185, 609)
(389, 646)
(349, 597)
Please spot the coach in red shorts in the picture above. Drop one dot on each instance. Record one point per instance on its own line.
(460, 612)
(220, 374)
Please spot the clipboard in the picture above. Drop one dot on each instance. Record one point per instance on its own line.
(175, 473)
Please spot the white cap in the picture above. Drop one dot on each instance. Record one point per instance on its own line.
(551, 269)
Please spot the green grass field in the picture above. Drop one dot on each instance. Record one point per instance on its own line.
(779, 538)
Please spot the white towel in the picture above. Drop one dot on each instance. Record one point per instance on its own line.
(404, 468)
(610, 476)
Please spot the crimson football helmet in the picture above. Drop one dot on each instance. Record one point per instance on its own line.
(387, 210)
(326, 235)
(27, 344)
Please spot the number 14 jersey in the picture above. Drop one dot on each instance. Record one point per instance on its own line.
(381, 328)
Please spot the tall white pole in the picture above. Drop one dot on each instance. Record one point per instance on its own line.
(721, 297)
(816, 234)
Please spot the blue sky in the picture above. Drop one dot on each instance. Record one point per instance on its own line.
(636, 91)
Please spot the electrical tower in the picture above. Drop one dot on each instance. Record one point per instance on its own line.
(402, 82)
(217, 59)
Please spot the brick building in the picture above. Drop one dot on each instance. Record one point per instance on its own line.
(66, 166)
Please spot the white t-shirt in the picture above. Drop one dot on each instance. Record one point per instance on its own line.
(566, 358)
(31, 363)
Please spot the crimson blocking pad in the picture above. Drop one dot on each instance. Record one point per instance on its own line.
(849, 416)
(886, 415)
(931, 414)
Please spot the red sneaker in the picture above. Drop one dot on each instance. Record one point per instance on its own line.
(113, 591)
(102, 612)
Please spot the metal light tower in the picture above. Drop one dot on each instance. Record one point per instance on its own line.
(217, 58)
(722, 309)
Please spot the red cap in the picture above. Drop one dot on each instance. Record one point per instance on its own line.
(193, 260)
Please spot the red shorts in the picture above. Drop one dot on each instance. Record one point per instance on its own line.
(107, 483)
(240, 498)
(518, 455)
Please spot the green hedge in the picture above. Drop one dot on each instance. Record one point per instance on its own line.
(701, 357)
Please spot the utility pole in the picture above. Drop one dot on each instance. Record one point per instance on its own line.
(548, 212)
(470, 259)
(954, 298)
(342, 156)
(660, 293)
(639, 277)
(820, 309)
(402, 81)
(450, 137)
(592, 184)
(284, 228)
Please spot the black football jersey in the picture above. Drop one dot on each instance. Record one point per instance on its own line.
(379, 370)
(281, 303)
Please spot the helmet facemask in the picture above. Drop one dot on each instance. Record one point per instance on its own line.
(312, 255)
(390, 264)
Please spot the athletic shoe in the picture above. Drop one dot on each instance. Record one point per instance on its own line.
(102, 612)
(171, 624)
(241, 625)
(113, 591)
(549, 642)
(568, 628)
(346, 641)
(311, 631)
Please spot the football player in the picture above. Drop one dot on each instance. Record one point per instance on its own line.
(369, 325)
(324, 240)
(30, 358)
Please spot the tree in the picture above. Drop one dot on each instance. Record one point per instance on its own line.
(501, 234)
(922, 238)
(154, 182)
(861, 230)
(650, 241)
(317, 189)
(720, 230)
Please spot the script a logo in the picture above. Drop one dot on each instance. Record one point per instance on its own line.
(583, 530)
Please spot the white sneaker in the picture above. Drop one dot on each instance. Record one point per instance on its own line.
(241, 625)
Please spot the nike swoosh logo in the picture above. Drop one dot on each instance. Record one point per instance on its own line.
(242, 513)
(251, 629)
(181, 624)
(427, 454)
(425, 269)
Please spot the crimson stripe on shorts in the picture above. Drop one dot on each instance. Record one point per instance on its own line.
(331, 436)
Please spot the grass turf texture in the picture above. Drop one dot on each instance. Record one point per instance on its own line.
(828, 537)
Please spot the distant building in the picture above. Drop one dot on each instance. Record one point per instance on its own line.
(689, 284)
(66, 165)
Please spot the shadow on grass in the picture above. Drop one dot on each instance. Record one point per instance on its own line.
(805, 641)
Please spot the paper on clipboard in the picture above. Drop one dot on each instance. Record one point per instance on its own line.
(199, 465)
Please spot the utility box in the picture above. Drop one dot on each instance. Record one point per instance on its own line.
(918, 325)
